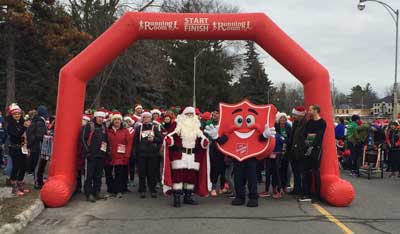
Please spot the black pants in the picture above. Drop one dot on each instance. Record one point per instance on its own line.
(394, 160)
(260, 168)
(295, 164)
(158, 175)
(32, 162)
(40, 171)
(18, 164)
(147, 171)
(94, 171)
(79, 180)
(132, 165)
(310, 171)
(108, 173)
(272, 169)
(356, 154)
(120, 179)
(246, 171)
(284, 166)
(217, 169)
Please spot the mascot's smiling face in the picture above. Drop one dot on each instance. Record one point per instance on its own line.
(243, 123)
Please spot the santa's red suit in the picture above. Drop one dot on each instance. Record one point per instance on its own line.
(186, 159)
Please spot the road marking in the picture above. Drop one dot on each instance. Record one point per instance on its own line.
(333, 219)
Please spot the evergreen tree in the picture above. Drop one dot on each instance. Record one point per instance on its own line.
(254, 83)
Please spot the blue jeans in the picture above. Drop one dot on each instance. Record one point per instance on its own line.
(9, 166)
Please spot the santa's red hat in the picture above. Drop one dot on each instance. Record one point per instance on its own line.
(137, 106)
(86, 117)
(299, 110)
(116, 115)
(100, 113)
(155, 111)
(13, 108)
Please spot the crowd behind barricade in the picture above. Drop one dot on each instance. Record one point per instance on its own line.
(163, 151)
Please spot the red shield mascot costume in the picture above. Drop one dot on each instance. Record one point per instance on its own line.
(245, 133)
(186, 160)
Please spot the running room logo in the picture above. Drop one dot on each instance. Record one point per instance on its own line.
(196, 25)
(232, 26)
(158, 25)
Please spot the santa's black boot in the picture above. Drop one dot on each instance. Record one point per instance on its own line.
(188, 198)
(177, 198)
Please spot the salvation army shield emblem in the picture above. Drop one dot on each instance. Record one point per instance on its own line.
(243, 124)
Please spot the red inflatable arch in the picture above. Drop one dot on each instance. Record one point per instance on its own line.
(139, 26)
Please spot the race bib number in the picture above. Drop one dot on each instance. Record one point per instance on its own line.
(103, 146)
(121, 148)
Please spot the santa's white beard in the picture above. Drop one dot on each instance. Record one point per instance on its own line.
(188, 128)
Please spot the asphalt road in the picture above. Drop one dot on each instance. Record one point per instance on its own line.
(375, 210)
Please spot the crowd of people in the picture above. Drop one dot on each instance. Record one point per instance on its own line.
(167, 150)
(356, 138)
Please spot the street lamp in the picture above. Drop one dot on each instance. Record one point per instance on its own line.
(194, 74)
(395, 16)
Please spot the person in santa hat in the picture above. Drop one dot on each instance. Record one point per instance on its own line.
(95, 149)
(147, 152)
(120, 141)
(296, 146)
(130, 123)
(16, 130)
(137, 115)
(186, 160)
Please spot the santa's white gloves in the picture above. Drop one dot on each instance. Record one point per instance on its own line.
(212, 131)
(269, 132)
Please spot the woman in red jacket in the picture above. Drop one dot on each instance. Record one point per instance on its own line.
(118, 138)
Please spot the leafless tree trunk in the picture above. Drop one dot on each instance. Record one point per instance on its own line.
(10, 70)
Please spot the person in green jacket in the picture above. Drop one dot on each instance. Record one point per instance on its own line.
(355, 143)
(352, 125)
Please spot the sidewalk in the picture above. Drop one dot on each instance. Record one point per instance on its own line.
(17, 212)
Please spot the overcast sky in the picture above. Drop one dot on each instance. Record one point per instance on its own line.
(356, 47)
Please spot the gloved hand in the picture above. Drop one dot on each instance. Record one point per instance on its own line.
(168, 140)
(212, 131)
(269, 132)
(309, 151)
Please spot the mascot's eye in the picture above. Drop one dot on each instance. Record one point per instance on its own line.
(238, 120)
(250, 120)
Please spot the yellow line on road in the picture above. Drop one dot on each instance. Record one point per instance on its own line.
(333, 219)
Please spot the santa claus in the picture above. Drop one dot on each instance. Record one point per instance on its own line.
(186, 160)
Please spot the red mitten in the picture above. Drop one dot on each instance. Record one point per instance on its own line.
(168, 140)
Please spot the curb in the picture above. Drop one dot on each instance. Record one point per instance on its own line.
(23, 218)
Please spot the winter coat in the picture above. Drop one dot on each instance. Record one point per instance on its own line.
(35, 133)
(360, 135)
(15, 131)
(3, 133)
(351, 127)
(143, 147)
(281, 140)
(119, 146)
(296, 144)
(339, 131)
(94, 136)
(393, 139)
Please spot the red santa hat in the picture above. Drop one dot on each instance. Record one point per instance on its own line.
(146, 114)
(206, 116)
(116, 115)
(188, 110)
(299, 110)
(128, 118)
(155, 111)
(279, 115)
(100, 113)
(86, 117)
(137, 106)
(14, 108)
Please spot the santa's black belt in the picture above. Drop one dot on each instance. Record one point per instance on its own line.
(188, 151)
